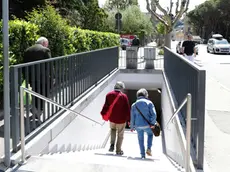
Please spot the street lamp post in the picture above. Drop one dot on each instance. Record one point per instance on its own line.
(5, 16)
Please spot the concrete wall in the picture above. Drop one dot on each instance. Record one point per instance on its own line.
(173, 134)
(136, 79)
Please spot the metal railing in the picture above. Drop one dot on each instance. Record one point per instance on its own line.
(187, 100)
(186, 77)
(62, 79)
(45, 99)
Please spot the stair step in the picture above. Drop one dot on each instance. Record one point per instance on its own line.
(59, 165)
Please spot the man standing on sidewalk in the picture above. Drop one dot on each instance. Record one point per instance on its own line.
(188, 49)
(120, 113)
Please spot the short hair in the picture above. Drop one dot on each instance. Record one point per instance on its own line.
(41, 40)
(119, 85)
(142, 92)
(189, 35)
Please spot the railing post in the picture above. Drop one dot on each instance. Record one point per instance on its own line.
(201, 117)
(22, 125)
(188, 132)
(14, 107)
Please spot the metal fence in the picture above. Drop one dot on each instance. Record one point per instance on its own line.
(186, 77)
(145, 58)
(62, 79)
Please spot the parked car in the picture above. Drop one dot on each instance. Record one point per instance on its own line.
(179, 47)
(218, 45)
(125, 43)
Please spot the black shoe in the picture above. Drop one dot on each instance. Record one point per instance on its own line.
(120, 152)
(111, 149)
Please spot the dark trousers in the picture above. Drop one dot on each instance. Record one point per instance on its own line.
(42, 90)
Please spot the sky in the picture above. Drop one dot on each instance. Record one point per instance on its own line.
(164, 3)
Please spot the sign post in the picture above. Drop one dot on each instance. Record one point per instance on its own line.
(118, 17)
(5, 16)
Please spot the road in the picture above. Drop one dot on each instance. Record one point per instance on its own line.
(217, 119)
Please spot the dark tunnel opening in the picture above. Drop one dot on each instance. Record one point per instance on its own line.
(154, 96)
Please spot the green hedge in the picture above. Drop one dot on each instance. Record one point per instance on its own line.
(63, 39)
(21, 35)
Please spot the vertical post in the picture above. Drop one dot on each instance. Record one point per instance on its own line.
(201, 117)
(188, 132)
(22, 125)
(5, 16)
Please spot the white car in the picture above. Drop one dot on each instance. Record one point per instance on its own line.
(125, 43)
(179, 48)
(218, 45)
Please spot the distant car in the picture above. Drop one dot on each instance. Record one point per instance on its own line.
(125, 43)
(218, 45)
(179, 47)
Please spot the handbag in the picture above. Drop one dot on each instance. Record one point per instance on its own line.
(157, 129)
(108, 113)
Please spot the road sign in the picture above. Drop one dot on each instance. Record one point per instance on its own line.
(118, 16)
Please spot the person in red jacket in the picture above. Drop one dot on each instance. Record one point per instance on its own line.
(120, 114)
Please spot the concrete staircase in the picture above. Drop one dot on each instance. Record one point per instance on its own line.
(100, 160)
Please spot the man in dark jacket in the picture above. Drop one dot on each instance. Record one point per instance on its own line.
(136, 42)
(39, 51)
(119, 115)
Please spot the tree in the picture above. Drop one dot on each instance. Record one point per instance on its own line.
(168, 18)
(19, 8)
(83, 13)
(133, 22)
(210, 17)
(119, 4)
(94, 16)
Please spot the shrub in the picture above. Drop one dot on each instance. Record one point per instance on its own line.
(52, 26)
(161, 52)
(22, 34)
(63, 39)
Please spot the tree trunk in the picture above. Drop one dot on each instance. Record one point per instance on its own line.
(168, 40)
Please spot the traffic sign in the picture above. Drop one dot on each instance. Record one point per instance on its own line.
(118, 16)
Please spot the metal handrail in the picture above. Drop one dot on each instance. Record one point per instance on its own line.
(22, 90)
(188, 100)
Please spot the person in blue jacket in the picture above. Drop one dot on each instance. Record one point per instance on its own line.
(138, 122)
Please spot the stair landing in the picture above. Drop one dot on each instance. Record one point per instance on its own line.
(103, 161)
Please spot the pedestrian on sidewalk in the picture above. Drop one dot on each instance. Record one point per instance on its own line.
(117, 110)
(188, 49)
(143, 109)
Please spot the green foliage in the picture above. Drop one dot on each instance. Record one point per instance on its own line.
(93, 16)
(22, 34)
(63, 39)
(82, 13)
(161, 52)
(211, 16)
(161, 28)
(52, 26)
(119, 4)
(133, 22)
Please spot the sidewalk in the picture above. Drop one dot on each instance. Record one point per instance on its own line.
(217, 129)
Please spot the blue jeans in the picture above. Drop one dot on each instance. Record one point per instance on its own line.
(140, 133)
